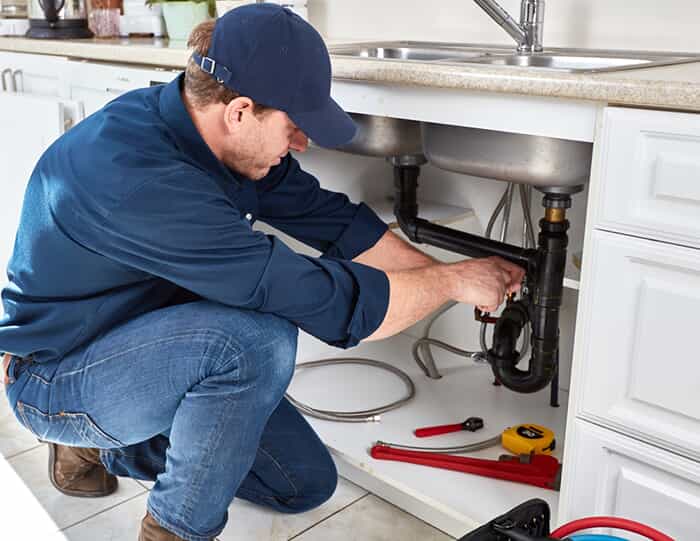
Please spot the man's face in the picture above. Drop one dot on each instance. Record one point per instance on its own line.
(261, 141)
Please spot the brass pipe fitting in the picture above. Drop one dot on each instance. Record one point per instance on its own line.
(555, 215)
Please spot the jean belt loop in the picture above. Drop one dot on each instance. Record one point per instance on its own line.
(16, 367)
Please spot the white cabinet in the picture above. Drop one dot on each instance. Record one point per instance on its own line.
(609, 474)
(95, 85)
(33, 73)
(633, 433)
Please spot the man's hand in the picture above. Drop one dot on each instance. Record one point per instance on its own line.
(414, 293)
(485, 282)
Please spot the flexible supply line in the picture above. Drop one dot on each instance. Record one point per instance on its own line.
(362, 416)
(471, 448)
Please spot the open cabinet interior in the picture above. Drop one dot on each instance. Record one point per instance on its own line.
(452, 501)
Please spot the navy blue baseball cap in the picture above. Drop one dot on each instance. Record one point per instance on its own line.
(271, 55)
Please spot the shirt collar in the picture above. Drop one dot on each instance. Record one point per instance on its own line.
(175, 115)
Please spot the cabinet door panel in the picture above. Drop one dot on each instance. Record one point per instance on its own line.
(639, 337)
(650, 169)
(609, 474)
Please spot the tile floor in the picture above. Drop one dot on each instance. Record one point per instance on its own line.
(42, 513)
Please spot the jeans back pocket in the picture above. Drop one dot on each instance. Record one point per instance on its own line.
(65, 428)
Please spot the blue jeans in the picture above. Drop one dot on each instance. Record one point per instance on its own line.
(190, 396)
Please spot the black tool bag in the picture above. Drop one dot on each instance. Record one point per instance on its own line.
(528, 521)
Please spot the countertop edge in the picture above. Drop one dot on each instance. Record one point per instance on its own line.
(645, 88)
(663, 94)
(101, 50)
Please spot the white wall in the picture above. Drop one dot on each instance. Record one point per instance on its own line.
(663, 25)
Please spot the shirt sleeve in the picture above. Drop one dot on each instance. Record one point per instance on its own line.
(190, 234)
(293, 201)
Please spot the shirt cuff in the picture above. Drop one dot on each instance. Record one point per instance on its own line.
(371, 305)
(359, 236)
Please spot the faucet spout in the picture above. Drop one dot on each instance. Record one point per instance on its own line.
(527, 33)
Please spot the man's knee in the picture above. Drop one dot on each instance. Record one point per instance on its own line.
(253, 346)
(278, 355)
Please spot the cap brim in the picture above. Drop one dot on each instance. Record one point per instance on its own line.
(329, 127)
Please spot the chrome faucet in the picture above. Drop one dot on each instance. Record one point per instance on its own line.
(528, 34)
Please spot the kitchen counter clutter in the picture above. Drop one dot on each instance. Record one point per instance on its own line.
(675, 87)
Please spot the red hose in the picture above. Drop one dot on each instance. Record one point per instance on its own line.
(609, 522)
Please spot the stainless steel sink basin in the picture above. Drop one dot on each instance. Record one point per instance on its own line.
(410, 51)
(567, 60)
(386, 137)
(549, 164)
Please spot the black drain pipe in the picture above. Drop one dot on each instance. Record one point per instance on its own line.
(423, 231)
(541, 309)
(545, 275)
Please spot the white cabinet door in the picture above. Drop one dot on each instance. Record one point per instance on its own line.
(29, 125)
(609, 474)
(34, 74)
(637, 344)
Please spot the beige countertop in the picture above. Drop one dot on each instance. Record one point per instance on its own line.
(671, 87)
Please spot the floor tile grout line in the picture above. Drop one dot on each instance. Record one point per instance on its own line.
(105, 510)
(140, 482)
(20, 453)
(329, 516)
(412, 515)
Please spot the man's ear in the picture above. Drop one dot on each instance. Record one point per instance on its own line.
(237, 111)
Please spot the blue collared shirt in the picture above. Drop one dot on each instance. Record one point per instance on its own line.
(131, 205)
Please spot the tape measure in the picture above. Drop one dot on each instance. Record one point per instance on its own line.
(527, 439)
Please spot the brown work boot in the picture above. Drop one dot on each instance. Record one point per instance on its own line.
(76, 471)
(152, 531)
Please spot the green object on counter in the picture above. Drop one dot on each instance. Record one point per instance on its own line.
(182, 17)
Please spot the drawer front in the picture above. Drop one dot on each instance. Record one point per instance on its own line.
(639, 340)
(649, 169)
(98, 84)
(35, 74)
(606, 473)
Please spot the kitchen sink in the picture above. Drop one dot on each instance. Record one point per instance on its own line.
(549, 164)
(566, 60)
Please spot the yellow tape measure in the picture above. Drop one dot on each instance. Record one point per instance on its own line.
(527, 439)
